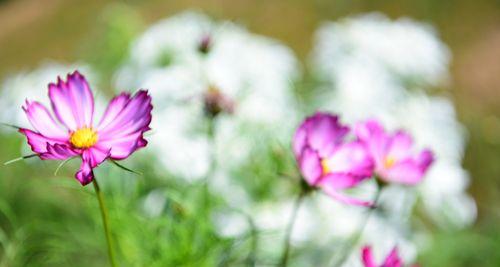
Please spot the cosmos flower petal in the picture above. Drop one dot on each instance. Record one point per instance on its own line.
(310, 166)
(41, 119)
(115, 106)
(393, 259)
(59, 152)
(134, 116)
(406, 172)
(373, 135)
(351, 158)
(324, 132)
(338, 181)
(299, 140)
(367, 255)
(38, 142)
(346, 199)
(86, 174)
(72, 101)
(122, 147)
(400, 145)
(425, 159)
(91, 158)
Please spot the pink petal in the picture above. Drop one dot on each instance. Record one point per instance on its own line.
(134, 116)
(376, 140)
(367, 255)
(122, 147)
(124, 123)
(86, 174)
(346, 199)
(310, 166)
(351, 158)
(339, 181)
(59, 152)
(299, 140)
(115, 106)
(91, 158)
(393, 259)
(405, 172)
(37, 141)
(425, 159)
(324, 132)
(43, 122)
(409, 171)
(400, 145)
(72, 101)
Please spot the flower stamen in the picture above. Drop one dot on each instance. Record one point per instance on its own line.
(389, 162)
(85, 137)
(324, 166)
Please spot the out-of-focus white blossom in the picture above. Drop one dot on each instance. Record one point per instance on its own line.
(409, 50)
(254, 72)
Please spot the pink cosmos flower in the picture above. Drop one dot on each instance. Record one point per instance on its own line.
(392, 154)
(392, 260)
(326, 161)
(118, 134)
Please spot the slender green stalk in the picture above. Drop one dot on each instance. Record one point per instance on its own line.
(289, 229)
(105, 221)
(213, 159)
(252, 256)
(355, 238)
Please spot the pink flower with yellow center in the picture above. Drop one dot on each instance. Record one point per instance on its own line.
(328, 162)
(392, 260)
(393, 154)
(118, 134)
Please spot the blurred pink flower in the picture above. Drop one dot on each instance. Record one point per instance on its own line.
(392, 154)
(326, 161)
(116, 136)
(392, 260)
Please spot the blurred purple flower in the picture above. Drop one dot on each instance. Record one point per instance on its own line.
(392, 154)
(326, 161)
(392, 260)
(117, 136)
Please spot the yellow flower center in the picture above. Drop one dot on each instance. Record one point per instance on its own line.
(324, 166)
(389, 162)
(83, 138)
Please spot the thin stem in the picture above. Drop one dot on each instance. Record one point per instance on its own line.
(355, 238)
(105, 221)
(213, 160)
(252, 256)
(289, 229)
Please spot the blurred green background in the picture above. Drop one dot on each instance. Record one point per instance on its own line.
(63, 30)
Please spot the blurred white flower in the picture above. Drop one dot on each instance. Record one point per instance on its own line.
(409, 50)
(33, 85)
(182, 59)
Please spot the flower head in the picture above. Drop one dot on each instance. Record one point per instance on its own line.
(326, 161)
(392, 154)
(74, 133)
(392, 260)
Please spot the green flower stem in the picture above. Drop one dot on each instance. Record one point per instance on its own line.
(357, 236)
(105, 221)
(289, 229)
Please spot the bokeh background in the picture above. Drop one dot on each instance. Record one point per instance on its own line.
(40, 214)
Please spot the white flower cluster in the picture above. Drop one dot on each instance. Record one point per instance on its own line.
(181, 59)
